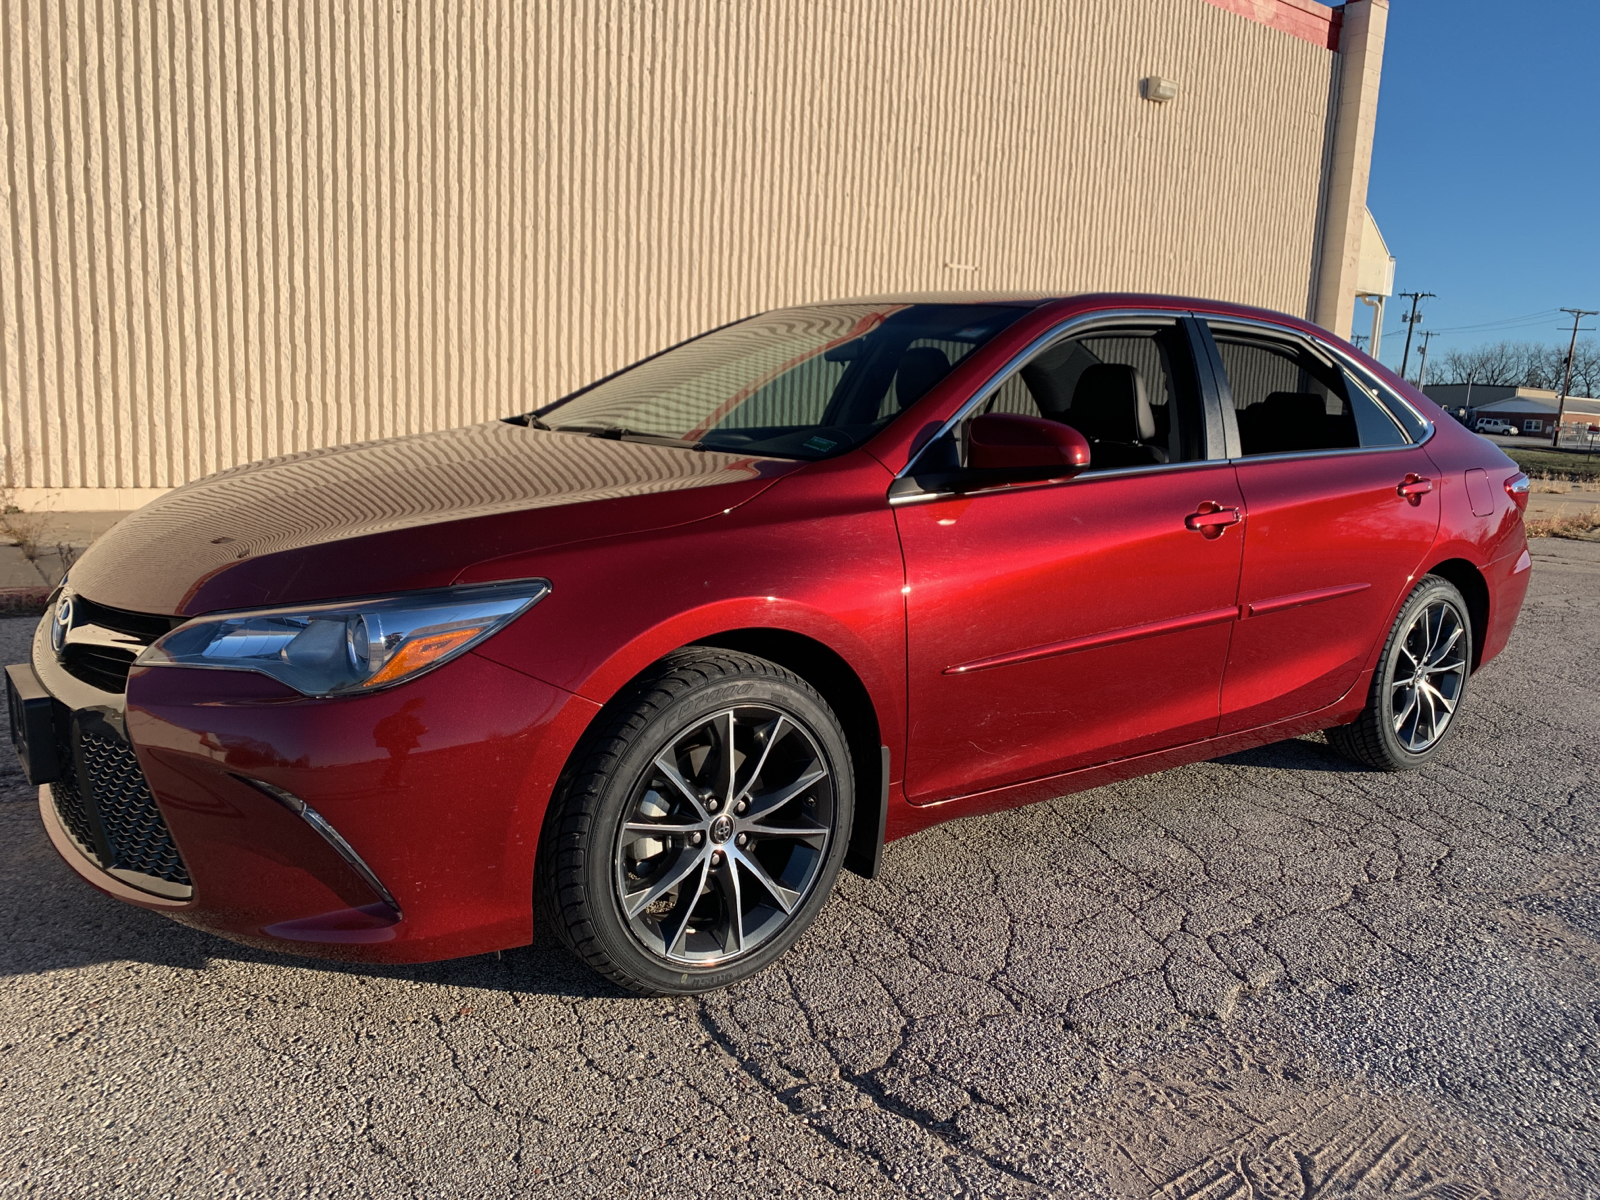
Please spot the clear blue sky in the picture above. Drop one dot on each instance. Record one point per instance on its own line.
(1486, 171)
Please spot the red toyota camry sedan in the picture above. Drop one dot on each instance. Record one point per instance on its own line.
(651, 664)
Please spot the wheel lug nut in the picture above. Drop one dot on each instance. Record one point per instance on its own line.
(716, 858)
(741, 840)
(741, 806)
(698, 838)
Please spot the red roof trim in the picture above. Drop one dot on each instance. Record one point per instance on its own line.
(1304, 19)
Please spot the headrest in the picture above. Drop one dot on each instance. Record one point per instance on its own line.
(1110, 404)
(1294, 406)
(1286, 422)
(920, 368)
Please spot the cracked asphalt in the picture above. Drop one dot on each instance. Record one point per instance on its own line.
(1271, 975)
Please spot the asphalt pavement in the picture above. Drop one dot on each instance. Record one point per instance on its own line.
(1272, 975)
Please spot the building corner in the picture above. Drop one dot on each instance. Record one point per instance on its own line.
(1360, 69)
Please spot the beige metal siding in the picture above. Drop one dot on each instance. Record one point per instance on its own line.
(240, 228)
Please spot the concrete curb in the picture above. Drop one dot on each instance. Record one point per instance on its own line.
(23, 601)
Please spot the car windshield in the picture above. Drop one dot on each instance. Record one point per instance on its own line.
(796, 383)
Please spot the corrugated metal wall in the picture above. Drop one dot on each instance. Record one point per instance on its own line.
(237, 228)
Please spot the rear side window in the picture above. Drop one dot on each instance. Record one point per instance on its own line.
(1288, 400)
(1373, 420)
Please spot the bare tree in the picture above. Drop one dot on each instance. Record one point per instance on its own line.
(1586, 368)
(1522, 364)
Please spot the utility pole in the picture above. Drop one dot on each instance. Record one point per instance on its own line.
(1578, 314)
(1422, 371)
(1416, 299)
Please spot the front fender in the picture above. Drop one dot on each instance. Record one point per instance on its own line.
(834, 577)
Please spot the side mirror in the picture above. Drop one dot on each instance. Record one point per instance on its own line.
(1003, 442)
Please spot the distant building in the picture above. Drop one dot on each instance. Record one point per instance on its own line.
(1532, 409)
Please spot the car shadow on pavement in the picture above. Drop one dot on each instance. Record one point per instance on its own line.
(1309, 753)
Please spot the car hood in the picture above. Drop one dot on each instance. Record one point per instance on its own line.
(399, 514)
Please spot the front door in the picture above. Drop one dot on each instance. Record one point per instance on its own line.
(1343, 507)
(1060, 625)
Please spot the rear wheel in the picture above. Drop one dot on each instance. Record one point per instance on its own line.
(1419, 685)
(703, 828)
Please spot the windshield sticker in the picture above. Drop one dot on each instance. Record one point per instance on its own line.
(819, 444)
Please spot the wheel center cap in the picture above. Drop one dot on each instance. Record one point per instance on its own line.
(722, 829)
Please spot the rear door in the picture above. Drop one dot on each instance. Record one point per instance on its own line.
(1342, 508)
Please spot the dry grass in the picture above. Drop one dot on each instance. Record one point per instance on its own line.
(23, 530)
(1580, 526)
(1546, 464)
(1557, 484)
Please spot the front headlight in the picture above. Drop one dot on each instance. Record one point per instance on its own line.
(353, 646)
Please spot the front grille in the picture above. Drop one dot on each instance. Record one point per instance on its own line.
(134, 828)
(146, 627)
(99, 666)
(106, 666)
(69, 799)
(139, 837)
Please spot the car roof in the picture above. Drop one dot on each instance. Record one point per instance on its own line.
(1019, 298)
(1087, 300)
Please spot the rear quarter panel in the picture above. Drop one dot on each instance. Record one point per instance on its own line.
(1496, 544)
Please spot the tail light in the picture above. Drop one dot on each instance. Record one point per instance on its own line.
(1517, 489)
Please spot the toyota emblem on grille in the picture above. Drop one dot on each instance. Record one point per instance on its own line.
(62, 623)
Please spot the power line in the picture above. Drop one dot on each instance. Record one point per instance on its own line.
(1416, 299)
(1525, 322)
(1578, 314)
(1509, 323)
(1515, 323)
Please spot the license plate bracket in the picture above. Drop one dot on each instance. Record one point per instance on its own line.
(33, 733)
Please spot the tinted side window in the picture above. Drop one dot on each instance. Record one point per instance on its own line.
(1286, 399)
(1374, 422)
(1130, 392)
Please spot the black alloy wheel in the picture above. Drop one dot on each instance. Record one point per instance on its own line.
(703, 828)
(1419, 685)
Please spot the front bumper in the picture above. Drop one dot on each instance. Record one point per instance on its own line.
(437, 788)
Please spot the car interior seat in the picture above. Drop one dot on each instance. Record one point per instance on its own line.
(920, 368)
(1286, 422)
(1111, 408)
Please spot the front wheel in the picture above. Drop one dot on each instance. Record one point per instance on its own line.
(703, 827)
(1419, 685)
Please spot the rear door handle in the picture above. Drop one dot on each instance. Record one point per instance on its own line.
(1415, 487)
(1212, 518)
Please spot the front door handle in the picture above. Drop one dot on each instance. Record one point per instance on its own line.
(1212, 518)
(1414, 487)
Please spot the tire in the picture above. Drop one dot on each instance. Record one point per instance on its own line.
(642, 867)
(1404, 724)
